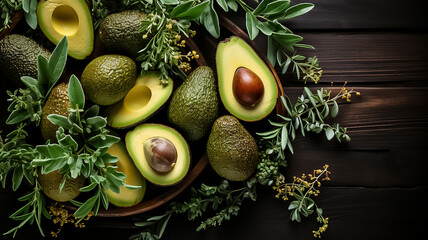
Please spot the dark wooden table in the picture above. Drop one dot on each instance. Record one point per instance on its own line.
(379, 179)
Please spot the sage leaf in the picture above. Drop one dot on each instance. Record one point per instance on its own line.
(30, 14)
(271, 50)
(261, 7)
(59, 120)
(297, 10)
(86, 207)
(223, 5)
(17, 177)
(284, 136)
(170, 2)
(329, 133)
(33, 85)
(232, 5)
(209, 19)
(188, 12)
(75, 93)
(276, 7)
(17, 116)
(57, 61)
(251, 23)
(334, 109)
(43, 74)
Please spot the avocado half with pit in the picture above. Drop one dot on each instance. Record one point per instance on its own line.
(247, 87)
(159, 152)
(126, 197)
(145, 98)
(71, 18)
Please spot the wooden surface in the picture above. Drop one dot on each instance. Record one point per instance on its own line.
(378, 179)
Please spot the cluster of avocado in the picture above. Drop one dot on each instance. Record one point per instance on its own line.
(153, 152)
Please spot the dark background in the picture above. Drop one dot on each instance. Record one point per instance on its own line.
(378, 179)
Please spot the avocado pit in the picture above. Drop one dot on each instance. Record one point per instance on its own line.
(247, 87)
(160, 153)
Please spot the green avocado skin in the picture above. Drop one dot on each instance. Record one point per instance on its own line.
(232, 151)
(194, 105)
(18, 57)
(120, 32)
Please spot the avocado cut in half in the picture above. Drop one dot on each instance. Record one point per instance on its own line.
(108, 78)
(144, 99)
(232, 151)
(120, 32)
(18, 57)
(126, 197)
(247, 87)
(50, 184)
(151, 145)
(71, 18)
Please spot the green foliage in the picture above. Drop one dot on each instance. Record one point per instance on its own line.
(8, 7)
(27, 104)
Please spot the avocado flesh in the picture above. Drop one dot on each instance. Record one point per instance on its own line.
(232, 54)
(232, 151)
(145, 98)
(108, 78)
(50, 184)
(135, 145)
(194, 105)
(18, 57)
(57, 103)
(120, 32)
(126, 197)
(71, 18)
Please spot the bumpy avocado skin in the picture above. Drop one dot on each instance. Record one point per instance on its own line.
(232, 151)
(195, 105)
(18, 57)
(57, 103)
(120, 32)
(108, 78)
(51, 182)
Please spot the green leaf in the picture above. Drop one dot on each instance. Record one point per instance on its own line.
(251, 23)
(209, 19)
(88, 188)
(33, 85)
(286, 39)
(165, 223)
(170, 2)
(334, 109)
(30, 14)
(188, 12)
(59, 120)
(275, 7)
(329, 133)
(68, 141)
(232, 5)
(43, 74)
(17, 177)
(97, 122)
(284, 136)
(183, 7)
(26, 5)
(86, 207)
(297, 10)
(223, 4)
(91, 111)
(103, 141)
(261, 7)
(271, 50)
(75, 93)
(17, 116)
(57, 61)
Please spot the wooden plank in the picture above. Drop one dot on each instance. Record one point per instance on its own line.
(363, 57)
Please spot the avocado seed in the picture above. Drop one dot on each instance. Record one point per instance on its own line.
(160, 153)
(247, 87)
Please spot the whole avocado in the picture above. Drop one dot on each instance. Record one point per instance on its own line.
(50, 184)
(120, 32)
(108, 78)
(232, 151)
(195, 105)
(57, 103)
(18, 57)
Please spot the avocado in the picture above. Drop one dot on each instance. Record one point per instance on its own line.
(50, 184)
(57, 103)
(145, 98)
(120, 32)
(108, 78)
(195, 105)
(126, 197)
(159, 152)
(247, 87)
(71, 18)
(18, 57)
(232, 151)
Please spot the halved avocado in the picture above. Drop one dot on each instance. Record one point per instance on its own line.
(71, 18)
(126, 197)
(234, 55)
(138, 142)
(142, 101)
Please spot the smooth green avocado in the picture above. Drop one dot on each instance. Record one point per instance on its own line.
(50, 184)
(160, 153)
(249, 95)
(57, 103)
(194, 105)
(120, 32)
(126, 197)
(232, 151)
(71, 18)
(18, 57)
(145, 98)
(108, 78)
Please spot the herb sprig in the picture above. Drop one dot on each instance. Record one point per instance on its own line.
(8, 7)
